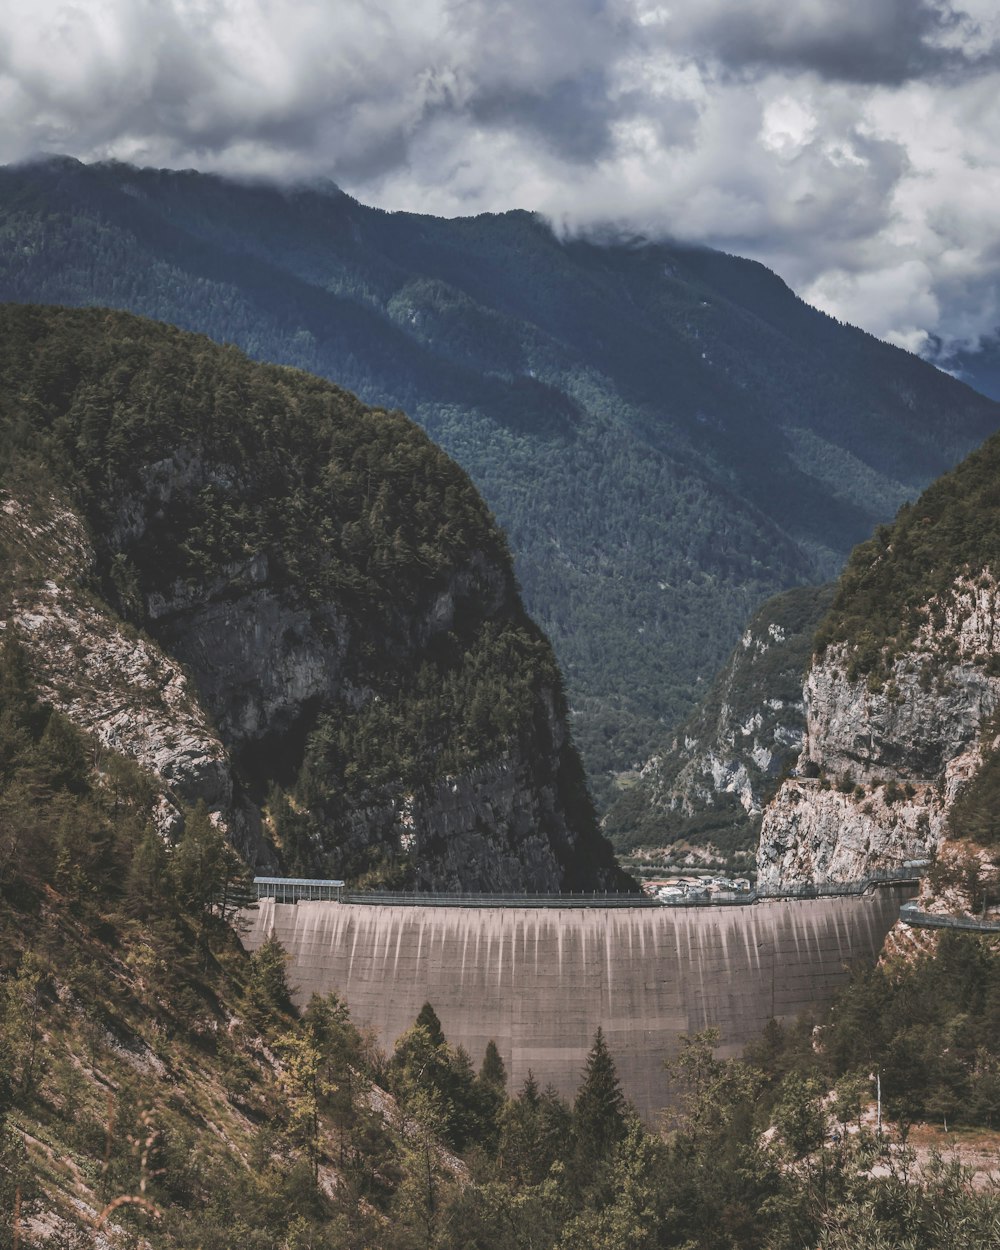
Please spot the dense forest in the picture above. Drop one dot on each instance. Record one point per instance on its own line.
(668, 436)
(904, 577)
(156, 1085)
(710, 785)
(208, 481)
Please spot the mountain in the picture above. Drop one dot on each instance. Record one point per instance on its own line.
(286, 607)
(709, 788)
(667, 435)
(901, 756)
(157, 1089)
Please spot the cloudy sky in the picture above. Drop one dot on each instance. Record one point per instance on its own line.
(853, 145)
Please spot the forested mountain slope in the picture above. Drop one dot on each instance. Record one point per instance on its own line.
(708, 788)
(667, 435)
(284, 605)
(901, 747)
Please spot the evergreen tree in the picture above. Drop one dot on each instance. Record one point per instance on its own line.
(18, 1188)
(419, 1068)
(22, 1051)
(147, 881)
(466, 1119)
(427, 1018)
(491, 1095)
(600, 1111)
(306, 1085)
(535, 1133)
(492, 1071)
(639, 1215)
(199, 864)
(341, 1049)
(267, 991)
(61, 762)
(22, 718)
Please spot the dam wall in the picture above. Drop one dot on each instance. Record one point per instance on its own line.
(539, 981)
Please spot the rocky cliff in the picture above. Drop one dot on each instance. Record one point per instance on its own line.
(711, 784)
(283, 604)
(111, 681)
(901, 735)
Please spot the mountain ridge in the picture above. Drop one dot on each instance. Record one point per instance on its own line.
(668, 435)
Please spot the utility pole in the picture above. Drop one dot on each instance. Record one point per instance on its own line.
(877, 1078)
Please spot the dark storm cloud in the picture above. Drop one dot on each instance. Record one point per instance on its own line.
(573, 117)
(860, 41)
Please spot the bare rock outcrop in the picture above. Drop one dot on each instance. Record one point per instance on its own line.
(886, 754)
(112, 681)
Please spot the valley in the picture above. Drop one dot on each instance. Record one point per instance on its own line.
(252, 623)
(666, 434)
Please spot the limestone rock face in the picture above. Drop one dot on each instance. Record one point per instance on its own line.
(259, 660)
(814, 835)
(237, 661)
(114, 683)
(912, 727)
(737, 748)
(476, 832)
(884, 758)
(262, 662)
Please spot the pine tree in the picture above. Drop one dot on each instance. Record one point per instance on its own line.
(639, 1216)
(306, 1085)
(22, 718)
(147, 880)
(535, 1129)
(22, 1050)
(491, 1095)
(61, 762)
(267, 988)
(493, 1071)
(199, 863)
(600, 1110)
(18, 1183)
(465, 1121)
(428, 1019)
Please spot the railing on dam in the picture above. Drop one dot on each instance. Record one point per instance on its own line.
(911, 915)
(694, 898)
(293, 890)
(387, 898)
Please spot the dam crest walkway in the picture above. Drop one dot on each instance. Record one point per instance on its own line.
(289, 890)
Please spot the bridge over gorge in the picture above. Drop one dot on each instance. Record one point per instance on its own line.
(538, 977)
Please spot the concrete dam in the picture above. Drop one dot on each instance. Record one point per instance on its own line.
(539, 981)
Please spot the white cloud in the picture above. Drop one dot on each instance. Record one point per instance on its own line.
(852, 146)
(895, 301)
(787, 126)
